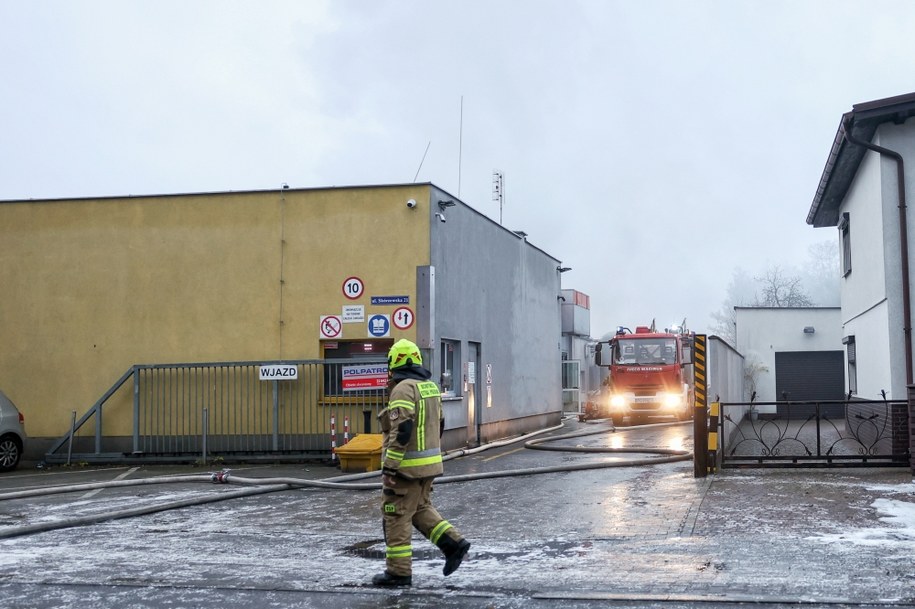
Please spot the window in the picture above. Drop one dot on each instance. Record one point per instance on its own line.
(645, 351)
(845, 232)
(450, 364)
(571, 386)
(851, 352)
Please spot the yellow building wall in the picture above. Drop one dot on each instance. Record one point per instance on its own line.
(336, 234)
(92, 286)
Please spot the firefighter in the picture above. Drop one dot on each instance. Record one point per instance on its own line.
(412, 425)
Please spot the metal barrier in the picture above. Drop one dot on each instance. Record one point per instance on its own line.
(185, 412)
(849, 433)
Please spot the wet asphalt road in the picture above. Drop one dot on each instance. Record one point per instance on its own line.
(644, 536)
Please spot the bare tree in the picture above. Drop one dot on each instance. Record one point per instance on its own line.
(779, 289)
(821, 274)
(741, 291)
(725, 325)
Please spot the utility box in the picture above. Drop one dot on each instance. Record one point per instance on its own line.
(361, 454)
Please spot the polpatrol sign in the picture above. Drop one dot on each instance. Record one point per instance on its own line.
(365, 376)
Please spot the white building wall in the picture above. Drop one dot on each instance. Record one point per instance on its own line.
(725, 372)
(872, 292)
(865, 286)
(726, 384)
(761, 332)
(900, 138)
(872, 369)
(863, 290)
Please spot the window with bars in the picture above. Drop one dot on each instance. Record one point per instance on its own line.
(852, 356)
(450, 365)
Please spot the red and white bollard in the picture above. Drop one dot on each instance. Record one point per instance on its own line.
(333, 437)
(345, 430)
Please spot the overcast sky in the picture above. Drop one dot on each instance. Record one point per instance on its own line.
(652, 146)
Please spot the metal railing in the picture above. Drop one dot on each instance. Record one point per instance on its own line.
(834, 433)
(203, 411)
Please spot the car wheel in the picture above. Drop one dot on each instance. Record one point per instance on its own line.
(10, 452)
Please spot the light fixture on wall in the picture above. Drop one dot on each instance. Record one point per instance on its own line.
(443, 205)
(809, 329)
(563, 269)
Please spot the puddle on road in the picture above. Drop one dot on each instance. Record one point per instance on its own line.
(374, 548)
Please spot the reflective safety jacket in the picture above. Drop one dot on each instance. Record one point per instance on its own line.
(411, 424)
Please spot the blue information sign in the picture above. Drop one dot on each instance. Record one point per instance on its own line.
(390, 300)
(379, 326)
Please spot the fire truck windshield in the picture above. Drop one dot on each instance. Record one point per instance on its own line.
(642, 352)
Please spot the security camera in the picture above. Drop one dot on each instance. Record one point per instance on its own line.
(441, 217)
(411, 203)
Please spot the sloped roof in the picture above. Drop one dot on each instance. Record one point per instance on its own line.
(845, 158)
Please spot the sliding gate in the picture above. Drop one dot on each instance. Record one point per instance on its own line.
(851, 433)
(238, 410)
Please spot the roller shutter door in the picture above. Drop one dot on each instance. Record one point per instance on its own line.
(810, 376)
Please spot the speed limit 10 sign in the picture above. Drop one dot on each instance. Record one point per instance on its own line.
(353, 288)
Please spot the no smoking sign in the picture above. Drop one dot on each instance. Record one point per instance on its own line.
(331, 326)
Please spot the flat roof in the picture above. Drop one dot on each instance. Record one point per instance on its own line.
(284, 188)
(218, 192)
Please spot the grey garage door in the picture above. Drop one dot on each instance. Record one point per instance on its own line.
(810, 376)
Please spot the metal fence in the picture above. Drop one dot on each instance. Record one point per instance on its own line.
(185, 412)
(851, 433)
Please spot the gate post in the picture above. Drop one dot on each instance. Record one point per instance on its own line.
(276, 416)
(713, 424)
(700, 410)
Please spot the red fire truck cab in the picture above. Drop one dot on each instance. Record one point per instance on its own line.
(650, 374)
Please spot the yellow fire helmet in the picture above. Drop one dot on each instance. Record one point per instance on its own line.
(404, 353)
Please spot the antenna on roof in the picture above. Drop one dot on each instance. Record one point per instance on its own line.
(422, 161)
(460, 145)
(497, 190)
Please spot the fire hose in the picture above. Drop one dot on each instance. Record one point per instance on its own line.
(270, 485)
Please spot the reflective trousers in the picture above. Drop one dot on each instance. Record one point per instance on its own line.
(406, 505)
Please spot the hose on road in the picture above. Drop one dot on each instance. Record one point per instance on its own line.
(270, 485)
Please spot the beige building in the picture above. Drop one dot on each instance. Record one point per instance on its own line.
(95, 287)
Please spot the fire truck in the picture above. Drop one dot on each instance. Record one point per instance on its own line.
(650, 373)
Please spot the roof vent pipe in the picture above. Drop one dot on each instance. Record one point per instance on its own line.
(903, 240)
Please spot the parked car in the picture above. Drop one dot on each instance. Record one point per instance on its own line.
(12, 434)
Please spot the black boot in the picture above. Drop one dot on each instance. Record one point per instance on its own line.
(455, 551)
(389, 580)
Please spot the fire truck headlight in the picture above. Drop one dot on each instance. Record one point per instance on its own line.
(617, 401)
(671, 400)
